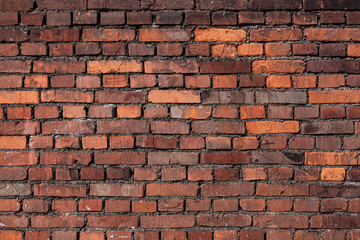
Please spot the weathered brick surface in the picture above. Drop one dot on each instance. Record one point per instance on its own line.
(179, 119)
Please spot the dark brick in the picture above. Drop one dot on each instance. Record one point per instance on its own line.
(332, 50)
(354, 175)
(197, 18)
(353, 17)
(114, 49)
(139, 18)
(66, 4)
(264, 157)
(225, 67)
(275, 4)
(167, 4)
(335, 127)
(251, 18)
(332, 17)
(87, 49)
(331, 5)
(333, 66)
(222, 4)
(84, 18)
(168, 17)
(113, 4)
(224, 18)
(16, 5)
(112, 18)
(276, 18)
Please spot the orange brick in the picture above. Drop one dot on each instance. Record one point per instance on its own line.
(19, 97)
(333, 174)
(250, 174)
(223, 50)
(353, 50)
(278, 66)
(334, 96)
(173, 96)
(200, 174)
(275, 34)
(36, 81)
(219, 35)
(225, 235)
(94, 142)
(226, 81)
(128, 111)
(278, 81)
(264, 127)
(251, 112)
(250, 49)
(330, 158)
(114, 66)
(7, 142)
(190, 112)
(117, 142)
(74, 112)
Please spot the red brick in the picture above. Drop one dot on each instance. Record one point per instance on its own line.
(40, 235)
(55, 35)
(60, 235)
(8, 50)
(227, 220)
(19, 113)
(120, 158)
(167, 221)
(114, 189)
(169, 49)
(281, 221)
(113, 49)
(227, 174)
(173, 174)
(61, 49)
(74, 111)
(170, 205)
(117, 206)
(92, 205)
(11, 235)
(200, 81)
(250, 174)
(57, 221)
(197, 50)
(108, 35)
(67, 142)
(57, 190)
(90, 235)
(37, 174)
(275, 34)
(248, 204)
(32, 19)
(35, 205)
(164, 35)
(84, 18)
(171, 189)
(144, 206)
(58, 19)
(279, 205)
(139, 18)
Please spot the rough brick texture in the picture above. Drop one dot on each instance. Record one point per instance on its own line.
(179, 119)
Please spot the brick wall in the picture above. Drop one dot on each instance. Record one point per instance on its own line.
(179, 119)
